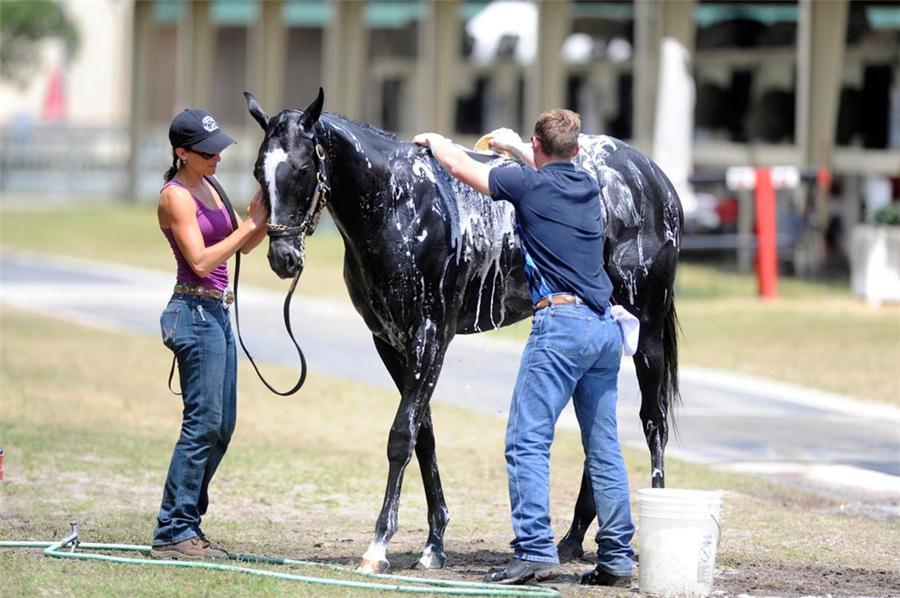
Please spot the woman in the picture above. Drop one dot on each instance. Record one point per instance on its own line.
(195, 326)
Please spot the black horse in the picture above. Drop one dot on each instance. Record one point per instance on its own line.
(427, 258)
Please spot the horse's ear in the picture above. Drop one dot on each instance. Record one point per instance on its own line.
(313, 111)
(256, 111)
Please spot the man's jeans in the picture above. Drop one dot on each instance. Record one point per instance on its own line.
(198, 331)
(572, 352)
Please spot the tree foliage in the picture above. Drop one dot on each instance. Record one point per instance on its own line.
(23, 25)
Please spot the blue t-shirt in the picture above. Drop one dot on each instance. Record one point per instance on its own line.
(561, 228)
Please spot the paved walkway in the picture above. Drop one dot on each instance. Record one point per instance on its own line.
(831, 445)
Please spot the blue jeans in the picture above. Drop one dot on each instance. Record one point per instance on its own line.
(198, 331)
(572, 352)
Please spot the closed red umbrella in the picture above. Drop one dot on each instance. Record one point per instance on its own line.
(55, 100)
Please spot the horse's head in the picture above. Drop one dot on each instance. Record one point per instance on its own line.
(288, 170)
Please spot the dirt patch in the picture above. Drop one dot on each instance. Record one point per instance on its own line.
(791, 579)
(470, 558)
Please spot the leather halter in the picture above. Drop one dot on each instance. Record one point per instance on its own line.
(306, 227)
(319, 199)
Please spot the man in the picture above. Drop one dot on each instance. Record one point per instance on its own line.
(573, 351)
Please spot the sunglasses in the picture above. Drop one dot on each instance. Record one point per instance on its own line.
(203, 155)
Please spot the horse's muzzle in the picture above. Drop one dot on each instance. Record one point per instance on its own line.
(285, 257)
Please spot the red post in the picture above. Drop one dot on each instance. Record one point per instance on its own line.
(767, 250)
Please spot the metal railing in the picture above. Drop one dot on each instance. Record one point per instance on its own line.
(63, 159)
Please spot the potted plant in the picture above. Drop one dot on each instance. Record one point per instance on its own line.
(875, 257)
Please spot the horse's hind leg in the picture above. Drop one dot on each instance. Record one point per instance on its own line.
(656, 360)
(570, 547)
(649, 364)
(433, 556)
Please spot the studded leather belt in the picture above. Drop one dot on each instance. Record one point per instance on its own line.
(226, 297)
(562, 299)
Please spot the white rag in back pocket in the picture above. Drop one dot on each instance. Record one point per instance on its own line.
(631, 328)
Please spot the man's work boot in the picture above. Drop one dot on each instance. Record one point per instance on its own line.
(518, 571)
(192, 549)
(601, 577)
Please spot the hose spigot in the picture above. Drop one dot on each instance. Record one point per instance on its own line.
(71, 540)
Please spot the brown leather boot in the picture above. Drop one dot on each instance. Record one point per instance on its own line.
(207, 543)
(192, 549)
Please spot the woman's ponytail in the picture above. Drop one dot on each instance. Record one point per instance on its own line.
(170, 174)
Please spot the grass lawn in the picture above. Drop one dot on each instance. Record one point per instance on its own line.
(88, 427)
(814, 335)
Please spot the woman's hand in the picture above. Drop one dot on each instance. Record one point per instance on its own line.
(257, 211)
(257, 214)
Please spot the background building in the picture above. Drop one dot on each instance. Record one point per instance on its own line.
(700, 85)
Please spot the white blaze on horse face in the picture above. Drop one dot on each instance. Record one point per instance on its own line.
(273, 158)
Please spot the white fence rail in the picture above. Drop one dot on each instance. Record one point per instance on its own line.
(64, 160)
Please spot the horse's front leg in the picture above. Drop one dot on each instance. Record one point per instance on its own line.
(433, 556)
(422, 366)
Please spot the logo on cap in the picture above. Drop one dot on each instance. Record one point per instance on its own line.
(210, 124)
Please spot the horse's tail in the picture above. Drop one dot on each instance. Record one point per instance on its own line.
(671, 327)
(670, 391)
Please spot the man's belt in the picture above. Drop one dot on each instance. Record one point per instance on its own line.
(561, 299)
(226, 297)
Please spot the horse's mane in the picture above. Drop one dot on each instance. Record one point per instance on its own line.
(356, 125)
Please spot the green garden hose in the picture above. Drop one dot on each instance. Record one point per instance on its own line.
(433, 586)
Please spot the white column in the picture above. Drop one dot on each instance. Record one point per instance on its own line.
(346, 45)
(440, 32)
(653, 21)
(546, 79)
(194, 56)
(820, 61)
(268, 56)
(143, 34)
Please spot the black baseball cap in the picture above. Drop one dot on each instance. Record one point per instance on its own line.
(196, 128)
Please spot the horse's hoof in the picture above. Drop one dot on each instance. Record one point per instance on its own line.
(371, 566)
(431, 559)
(569, 551)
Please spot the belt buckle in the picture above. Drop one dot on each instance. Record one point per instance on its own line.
(227, 297)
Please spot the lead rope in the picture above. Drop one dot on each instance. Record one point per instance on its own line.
(237, 319)
(287, 325)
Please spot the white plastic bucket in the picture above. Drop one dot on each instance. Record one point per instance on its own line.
(679, 534)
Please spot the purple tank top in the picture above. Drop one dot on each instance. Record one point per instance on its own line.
(215, 225)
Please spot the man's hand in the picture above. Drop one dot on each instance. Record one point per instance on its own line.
(508, 142)
(455, 161)
(430, 140)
